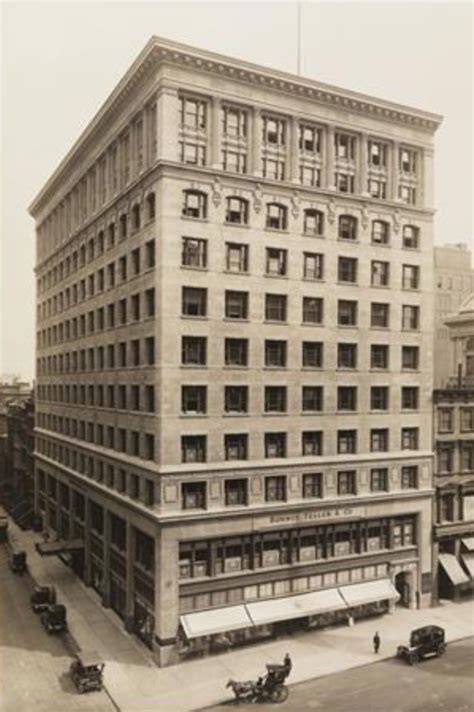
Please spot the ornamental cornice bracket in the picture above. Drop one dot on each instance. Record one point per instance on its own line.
(257, 198)
(216, 192)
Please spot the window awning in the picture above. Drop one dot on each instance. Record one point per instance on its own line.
(453, 569)
(468, 542)
(49, 548)
(306, 604)
(369, 592)
(218, 620)
(468, 561)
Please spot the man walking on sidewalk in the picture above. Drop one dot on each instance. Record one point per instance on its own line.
(376, 642)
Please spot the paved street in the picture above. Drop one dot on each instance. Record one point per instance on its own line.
(35, 665)
(435, 685)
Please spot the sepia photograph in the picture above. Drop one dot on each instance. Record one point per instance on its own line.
(236, 356)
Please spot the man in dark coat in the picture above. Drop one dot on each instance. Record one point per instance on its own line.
(376, 642)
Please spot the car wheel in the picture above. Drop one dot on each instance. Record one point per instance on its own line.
(441, 649)
(413, 659)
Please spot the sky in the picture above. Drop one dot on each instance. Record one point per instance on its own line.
(60, 60)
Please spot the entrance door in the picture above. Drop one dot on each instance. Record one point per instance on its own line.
(402, 585)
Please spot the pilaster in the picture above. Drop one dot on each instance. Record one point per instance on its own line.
(130, 558)
(362, 172)
(294, 151)
(87, 546)
(106, 575)
(394, 173)
(214, 134)
(330, 157)
(255, 167)
(168, 123)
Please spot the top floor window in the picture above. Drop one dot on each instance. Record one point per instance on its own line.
(195, 204)
(193, 113)
(234, 122)
(377, 153)
(276, 218)
(237, 210)
(347, 228)
(310, 139)
(407, 160)
(345, 146)
(274, 131)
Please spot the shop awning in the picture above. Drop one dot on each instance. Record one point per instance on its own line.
(306, 604)
(468, 542)
(468, 561)
(218, 620)
(49, 548)
(369, 592)
(453, 569)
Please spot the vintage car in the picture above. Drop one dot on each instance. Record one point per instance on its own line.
(17, 560)
(53, 618)
(87, 672)
(42, 597)
(424, 642)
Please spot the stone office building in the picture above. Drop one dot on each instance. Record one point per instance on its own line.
(234, 330)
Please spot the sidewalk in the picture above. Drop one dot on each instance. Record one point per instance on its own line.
(137, 685)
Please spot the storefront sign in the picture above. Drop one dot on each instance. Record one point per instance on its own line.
(317, 515)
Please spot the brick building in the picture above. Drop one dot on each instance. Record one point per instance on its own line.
(234, 351)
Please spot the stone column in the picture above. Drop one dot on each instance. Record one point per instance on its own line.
(129, 582)
(214, 134)
(434, 570)
(394, 151)
(413, 589)
(294, 155)
(425, 175)
(330, 157)
(362, 172)
(106, 577)
(255, 157)
(166, 596)
(168, 121)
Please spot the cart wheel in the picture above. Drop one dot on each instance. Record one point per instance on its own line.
(280, 693)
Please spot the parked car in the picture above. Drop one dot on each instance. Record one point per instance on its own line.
(424, 642)
(17, 560)
(42, 597)
(87, 672)
(53, 618)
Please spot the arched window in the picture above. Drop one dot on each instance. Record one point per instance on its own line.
(194, 204)
(347, 227)
(380, 232)
(313, 222)
(277, 216)
(150, 205)
(123, 226)
(411, 236)
(136, 216)
(237, 211)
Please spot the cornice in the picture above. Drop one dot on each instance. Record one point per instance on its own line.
(159, 51)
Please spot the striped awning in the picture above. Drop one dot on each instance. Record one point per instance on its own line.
(453, 569)
(369, 592)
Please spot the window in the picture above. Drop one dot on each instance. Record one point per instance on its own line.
(237, 211)
(445, 457)
(312, 354)
(379, 479)
(150, 206)
(192, 153)
(313, 223)
(275, 399)
(312, 399)
(410, 358)
(410, 277)
(346, 482)
(150, 302)
(236, 259)
(347, 355)
(193, 399)
(236, 399)
(407, 194)
(273, 131)
(236, 305)
(313, 485)
(273, 168)
(136, 217)
(409, 477)
(467, 420)
(379, 315)
(347, 398)
(346, 312)
(347, 227)
(309, 139)
(195, 204)
(193, 113)
(377, 188)
(445, 420)
(236, 492)
(310, 175)
(236, 352)
(194, 301)
(193, 448)
(410, 237)
(135, 306)
(344, 182)
(380, 272)
(193, 495)
(346, 442)
(409, 438)
(467, 456)
(379, 396)
(275, 354)
(276, 217)
(347, 269)
(312, 442)
(275, 445)
(194, 252)
(377, 154)
(236, 447)
(407, 160)
(276, 261)
(313, 265)
(234, 161)
(275, 489)
(193, 350)
(275, 307)
(409, 398)
(344, 145)
(380, 232)
(379, 356)
(123, 222)
(379, 440)
(410, 318)
(312, 310)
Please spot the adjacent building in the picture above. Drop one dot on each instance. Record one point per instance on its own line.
(453, 557)
(20, 462)
(234, 351)
(12, 390)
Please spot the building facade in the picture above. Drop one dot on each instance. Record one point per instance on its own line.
(234, 349)
(453, 558)
(12, 390)
(454, 282)
(20, 462)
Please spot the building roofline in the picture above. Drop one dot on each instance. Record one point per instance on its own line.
(159, 50)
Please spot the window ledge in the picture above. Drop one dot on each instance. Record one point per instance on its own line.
(246, 226)
(195, 268)
(188, 217)
(194, 317)
(236, 321)
(269, 275)
(242, 273)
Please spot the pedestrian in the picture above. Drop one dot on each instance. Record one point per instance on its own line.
(287, 664)
(376, 642)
